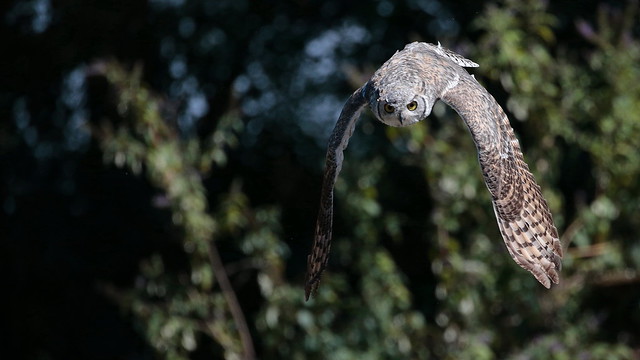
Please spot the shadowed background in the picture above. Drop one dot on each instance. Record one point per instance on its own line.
(162, 162)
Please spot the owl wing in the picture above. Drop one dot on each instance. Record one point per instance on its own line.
(522, 212)
(317, 261)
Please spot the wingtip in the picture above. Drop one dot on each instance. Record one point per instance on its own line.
(310, 289)
(311, 281)
(307, 293)
(547, 278)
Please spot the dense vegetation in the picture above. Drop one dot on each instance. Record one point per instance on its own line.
(162, 163)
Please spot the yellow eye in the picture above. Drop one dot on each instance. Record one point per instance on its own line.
(412, 105)
(388, 108)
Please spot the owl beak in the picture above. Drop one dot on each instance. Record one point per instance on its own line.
(401, 119)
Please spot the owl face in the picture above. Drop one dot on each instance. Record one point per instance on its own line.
(400, 112)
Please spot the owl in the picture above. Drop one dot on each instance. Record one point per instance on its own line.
(401, 93)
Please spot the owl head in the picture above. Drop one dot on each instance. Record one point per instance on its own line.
(399, 106)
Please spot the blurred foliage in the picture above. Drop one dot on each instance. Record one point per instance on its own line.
(175, 307)
(192, 205)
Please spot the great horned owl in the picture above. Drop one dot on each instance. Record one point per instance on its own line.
(402, 92)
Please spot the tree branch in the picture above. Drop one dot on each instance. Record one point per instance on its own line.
(234, 305)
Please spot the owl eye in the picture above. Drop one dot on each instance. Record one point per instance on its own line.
(412, 105)
(388, 108)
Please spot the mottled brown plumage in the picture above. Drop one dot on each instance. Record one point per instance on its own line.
(402, 92)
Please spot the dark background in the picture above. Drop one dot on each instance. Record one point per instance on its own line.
(413, 264)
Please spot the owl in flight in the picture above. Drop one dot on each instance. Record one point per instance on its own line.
(401, 93)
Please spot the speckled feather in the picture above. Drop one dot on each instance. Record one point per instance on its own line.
(420, 74)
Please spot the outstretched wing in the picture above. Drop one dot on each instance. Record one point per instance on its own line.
(317, 261)
(522, 212)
